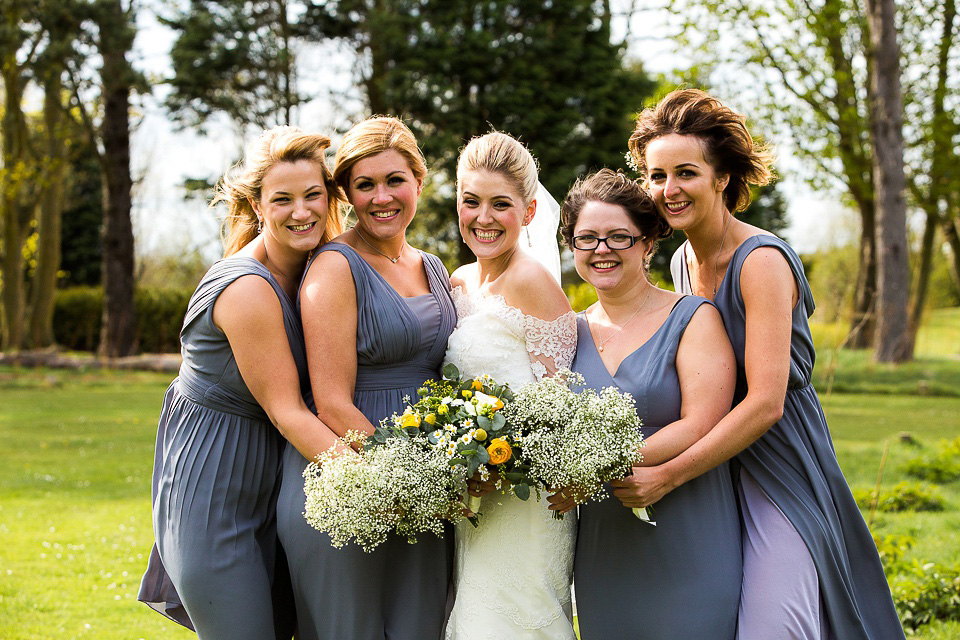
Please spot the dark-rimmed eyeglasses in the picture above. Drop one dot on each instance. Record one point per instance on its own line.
(615, 242)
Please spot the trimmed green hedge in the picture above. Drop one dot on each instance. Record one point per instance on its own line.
(160, 311)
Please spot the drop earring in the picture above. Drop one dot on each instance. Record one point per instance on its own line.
(259, 225)
(529, 241)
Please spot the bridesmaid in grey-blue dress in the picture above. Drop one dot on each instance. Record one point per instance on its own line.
(810, 567)
(376, 315)
(680, 579)
(216, 471)
(217, 566)
(399, 590)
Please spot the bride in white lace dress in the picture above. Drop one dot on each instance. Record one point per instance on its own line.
(513, 572)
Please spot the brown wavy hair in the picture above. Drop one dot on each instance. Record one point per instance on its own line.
(727, 145)
(244, 182)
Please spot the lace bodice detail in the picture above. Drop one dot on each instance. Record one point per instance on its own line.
(533, 601)
(489, 332)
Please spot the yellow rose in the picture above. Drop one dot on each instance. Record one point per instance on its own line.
(466, 393)
(430, 418)
(499, 451)
(410, 420)
(480, 435)
(478, 385)
(442, 410)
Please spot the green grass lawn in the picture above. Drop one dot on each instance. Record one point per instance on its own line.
(77, 457)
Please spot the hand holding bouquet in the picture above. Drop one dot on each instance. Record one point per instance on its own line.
(576, 440)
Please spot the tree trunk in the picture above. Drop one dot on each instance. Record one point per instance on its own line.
(51, 208)
(117, 332)
(952, 234)
(14, 152)
(923, 273)
(863, 322)
(893, 340)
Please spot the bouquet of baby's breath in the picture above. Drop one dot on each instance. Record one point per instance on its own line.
(397, 486)
(463, 418)
(576, 441)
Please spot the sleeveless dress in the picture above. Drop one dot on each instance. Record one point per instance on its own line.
(793, 494)
(679, 580)
(398, 591)
(216, 478)
(513, 572)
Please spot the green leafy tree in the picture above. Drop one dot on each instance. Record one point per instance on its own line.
(547, 73)
(234, 57)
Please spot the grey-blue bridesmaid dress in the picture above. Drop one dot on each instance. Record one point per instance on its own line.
(398, 591)
(794, 465)
(679, 580)
(216, 566)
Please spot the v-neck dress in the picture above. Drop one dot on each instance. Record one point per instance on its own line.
(400, 590)
(679, 580)
(216, 478)
(792, 489)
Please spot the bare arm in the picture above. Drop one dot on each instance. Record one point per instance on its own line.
(769, 294)
(249, 314)
(328, 309)
(706, 369)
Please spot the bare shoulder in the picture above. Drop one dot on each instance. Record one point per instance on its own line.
(247, 301)
(528, 286)
(463, 276)
(765, 265)
(329, 270)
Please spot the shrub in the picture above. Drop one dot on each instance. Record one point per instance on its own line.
(904, 496)
(930, 592)
(160, 311)
(892, 549)
(940, 467)
(580, 295)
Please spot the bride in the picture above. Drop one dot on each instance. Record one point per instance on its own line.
(513, 572)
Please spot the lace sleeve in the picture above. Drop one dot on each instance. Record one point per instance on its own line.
(551, 344)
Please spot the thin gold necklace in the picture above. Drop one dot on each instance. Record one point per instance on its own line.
(632, 316)
(393, 260)
(716, 263)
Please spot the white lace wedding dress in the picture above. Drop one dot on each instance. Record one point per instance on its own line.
(513, 572)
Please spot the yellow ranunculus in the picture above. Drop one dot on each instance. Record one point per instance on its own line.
(480, 435)
(499, 451)
(410, 420)
(498, 404)
(430, 418)
(466, 393)
(478, 385)
(442, 409)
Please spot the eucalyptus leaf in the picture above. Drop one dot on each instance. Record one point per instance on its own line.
(451, 372)
(483, 455)
(522, 491)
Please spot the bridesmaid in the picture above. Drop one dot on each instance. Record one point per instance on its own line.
(216, 473)
(811, 569)
(376, 315)
(632, 580)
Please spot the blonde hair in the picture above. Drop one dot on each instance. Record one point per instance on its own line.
(501, 153)
(244, 182)
(375, 135)
(727, 145)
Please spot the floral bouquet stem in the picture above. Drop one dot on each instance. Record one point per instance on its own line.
(643, 514)
(473, 503)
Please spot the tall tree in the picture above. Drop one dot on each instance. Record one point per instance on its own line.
(18, 167)
(893, 341)
(932, 137)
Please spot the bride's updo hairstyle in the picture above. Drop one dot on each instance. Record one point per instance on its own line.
(612, 187)
(241, 186)
(500, 153)
(375, 135)
(727, 145)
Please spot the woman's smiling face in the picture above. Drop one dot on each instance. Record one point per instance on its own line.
(491, 213)
(383, 192)
(682, 182)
